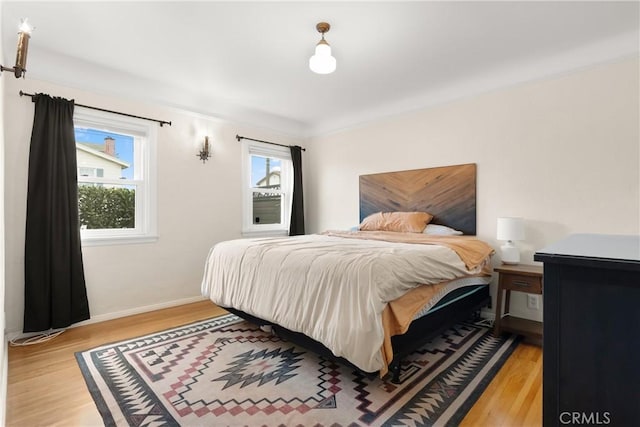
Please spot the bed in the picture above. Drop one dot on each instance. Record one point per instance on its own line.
(368, 298)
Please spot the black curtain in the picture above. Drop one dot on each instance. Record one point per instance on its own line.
(55, 294)
(297, 207)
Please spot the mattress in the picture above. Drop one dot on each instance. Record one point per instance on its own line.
(453, 291)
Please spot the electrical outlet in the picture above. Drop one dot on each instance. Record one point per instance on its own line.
(533, 302)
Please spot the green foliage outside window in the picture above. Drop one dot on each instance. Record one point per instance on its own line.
(103, 207)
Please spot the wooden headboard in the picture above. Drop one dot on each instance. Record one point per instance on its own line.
(448, 193)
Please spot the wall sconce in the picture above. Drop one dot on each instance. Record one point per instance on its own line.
(21, 56)
(204, 153)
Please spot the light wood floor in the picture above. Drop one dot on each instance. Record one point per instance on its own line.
(46, 388)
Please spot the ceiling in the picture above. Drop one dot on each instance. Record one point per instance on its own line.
(248, 61)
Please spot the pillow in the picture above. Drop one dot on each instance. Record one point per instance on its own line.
(412, 222)
(441, 230)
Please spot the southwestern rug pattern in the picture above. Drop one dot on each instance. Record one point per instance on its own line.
(225, 371)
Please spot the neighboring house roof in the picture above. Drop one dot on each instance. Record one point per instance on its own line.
(267, 179)
(95, 150)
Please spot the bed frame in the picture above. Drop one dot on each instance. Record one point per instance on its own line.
(449, 194)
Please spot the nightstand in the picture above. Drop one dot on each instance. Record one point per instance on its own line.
(519, 278)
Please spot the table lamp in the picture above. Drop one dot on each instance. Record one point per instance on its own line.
(510, 229)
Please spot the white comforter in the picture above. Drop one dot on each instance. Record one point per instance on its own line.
(332, 289)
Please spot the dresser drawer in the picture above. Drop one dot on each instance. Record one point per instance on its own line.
(517, 282)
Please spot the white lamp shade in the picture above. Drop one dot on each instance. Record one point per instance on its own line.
(510, 228)
(322, 62)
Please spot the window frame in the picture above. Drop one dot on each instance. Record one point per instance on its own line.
(253, 148)
(145, 158)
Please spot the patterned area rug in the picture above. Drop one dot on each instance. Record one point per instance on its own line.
(225, 371)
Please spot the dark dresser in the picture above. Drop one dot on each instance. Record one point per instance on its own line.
(591, 339)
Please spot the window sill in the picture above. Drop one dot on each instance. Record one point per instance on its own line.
(118, 240)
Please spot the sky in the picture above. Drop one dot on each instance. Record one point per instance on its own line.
(124, 145)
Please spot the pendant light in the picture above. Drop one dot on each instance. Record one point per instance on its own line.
(322, 62)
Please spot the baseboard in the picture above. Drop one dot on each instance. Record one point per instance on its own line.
(3, 386)
(116, 315)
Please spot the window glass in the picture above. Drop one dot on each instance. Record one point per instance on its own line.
(265, 172)
(109, 153)
(267, 208)
(106, 206)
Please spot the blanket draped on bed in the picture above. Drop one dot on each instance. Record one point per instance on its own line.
(334, 288)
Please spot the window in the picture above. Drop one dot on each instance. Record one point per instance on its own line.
(116, 179)
(268, 186)
(91, 172)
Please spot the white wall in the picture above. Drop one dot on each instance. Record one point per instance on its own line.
(198, 205)
(563, 153)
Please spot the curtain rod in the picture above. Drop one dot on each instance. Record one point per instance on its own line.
(162, 122)
(238, 137)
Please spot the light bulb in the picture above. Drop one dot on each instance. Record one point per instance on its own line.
(322, 62)
(25, 27)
